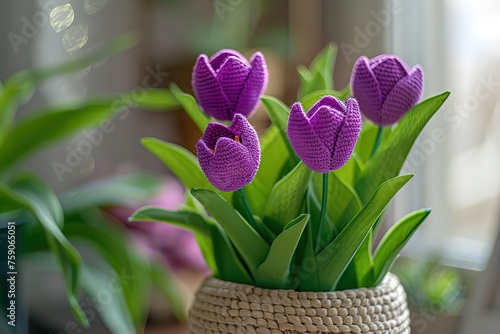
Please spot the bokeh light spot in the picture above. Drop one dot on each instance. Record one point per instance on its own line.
(61, 17)
(93, 6)
(75, 38)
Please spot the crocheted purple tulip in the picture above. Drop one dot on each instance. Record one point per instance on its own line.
(325, 136)
(227, 83)
(229, 156)
(385, 88)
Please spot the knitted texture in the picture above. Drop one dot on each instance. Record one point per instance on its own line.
(228, 308)
(229, 156)
(325, 137)
(385, 88)
(227, 83)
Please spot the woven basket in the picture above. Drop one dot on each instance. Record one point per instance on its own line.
(225, 307)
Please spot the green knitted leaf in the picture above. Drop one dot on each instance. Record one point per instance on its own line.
(393, 242)
(182, 163)
(191, 107)
(252, 247)
(229, 266)
(319, 75)
(391, 155)
(278, 113)
(275, 272)
(287, 197)
(344, 247)
(274, 156)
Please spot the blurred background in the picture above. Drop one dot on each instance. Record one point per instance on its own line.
(451, 268)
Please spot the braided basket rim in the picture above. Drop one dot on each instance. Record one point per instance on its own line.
(222, 307)
(390, 279)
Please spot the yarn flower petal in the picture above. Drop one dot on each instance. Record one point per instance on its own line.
(385, 87)
(227, 84)
(229, 156)
(325, 137)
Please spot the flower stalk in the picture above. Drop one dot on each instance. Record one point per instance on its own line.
(248, 211)
(378, 139)
(324, 203)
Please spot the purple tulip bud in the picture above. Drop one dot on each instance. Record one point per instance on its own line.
(325, 136)
(385, 88)
(229, 156)
(228, 84)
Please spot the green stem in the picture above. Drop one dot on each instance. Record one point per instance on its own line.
(377, 140)
(249, 213)
(324, 202)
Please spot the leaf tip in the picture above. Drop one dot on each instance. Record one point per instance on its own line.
(146, 141)
(408, 177)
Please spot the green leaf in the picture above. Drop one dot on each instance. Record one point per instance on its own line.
(168, 286)
(310, 82)
(182, 163)
(112, 244)
(394, 240)
(324, 63)
(349, 173)
(274, 156)
(278, 113)
(31, 194)
(310, 99)
(344, 247)
(359, 273)
(275, 271)
(116, 45)
(120, 190)
(229, 266)
(14, 91)
(252, 247)
(391, 155)
(307, 277)
(240, 206)
(40, 128)
(184, 219)
(287, 196)
(320, 73)
(363, 262)
(152, 99)
(364, 146)
(116, 316)
(191, 107)
(187, 219)
(305, 81)
(207, 249)
(20, 86)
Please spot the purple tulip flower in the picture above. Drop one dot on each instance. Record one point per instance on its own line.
(325, 136)
(385, 88)
(227, 83)
(229, 156)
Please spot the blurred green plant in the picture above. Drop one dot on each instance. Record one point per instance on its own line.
(431, 286)
(55, 223)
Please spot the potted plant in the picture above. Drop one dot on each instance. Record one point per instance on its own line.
(42, 234)
(286, 221)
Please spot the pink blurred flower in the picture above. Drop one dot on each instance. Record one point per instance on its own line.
(175, 246)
